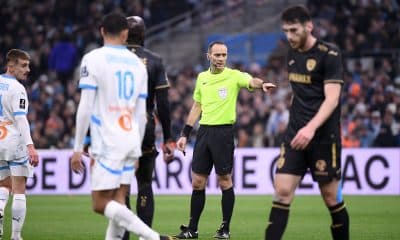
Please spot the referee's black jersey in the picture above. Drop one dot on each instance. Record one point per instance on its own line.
(307, 73)
(157, 77)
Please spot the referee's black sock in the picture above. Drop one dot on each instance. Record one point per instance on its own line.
(227, 203)
(197, 203)
(278, 219)
(340, 222)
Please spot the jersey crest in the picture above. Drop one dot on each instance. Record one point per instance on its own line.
(310, 64)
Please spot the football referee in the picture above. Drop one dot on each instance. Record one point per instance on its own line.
(215, 98)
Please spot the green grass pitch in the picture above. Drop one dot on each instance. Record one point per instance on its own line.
(70, 217)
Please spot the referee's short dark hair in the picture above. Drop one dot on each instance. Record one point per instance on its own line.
(214, 43)
(114, 23)
(296, 14)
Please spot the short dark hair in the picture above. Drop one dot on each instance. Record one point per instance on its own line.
(214, 43)
(136, 30)
(114, 23)
(296, 14)
(14, 54)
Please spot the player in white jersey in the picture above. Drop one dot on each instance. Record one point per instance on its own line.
(17, 152)
(113, 102)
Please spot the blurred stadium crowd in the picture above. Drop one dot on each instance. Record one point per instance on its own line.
(57, 33)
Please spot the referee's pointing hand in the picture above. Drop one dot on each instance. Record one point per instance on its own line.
(268, 86)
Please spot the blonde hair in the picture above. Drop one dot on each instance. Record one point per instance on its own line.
(14, 54)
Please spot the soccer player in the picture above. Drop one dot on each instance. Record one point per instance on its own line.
(17, 151)
(312, 140)
(114, 90)
(215, 97)
(157, 90)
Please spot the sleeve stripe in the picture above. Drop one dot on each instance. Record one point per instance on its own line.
(87, 86)
(162, 86)
(143, 95)
(19, 113)
(334, 81)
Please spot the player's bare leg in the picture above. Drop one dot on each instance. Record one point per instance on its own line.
(5, 189)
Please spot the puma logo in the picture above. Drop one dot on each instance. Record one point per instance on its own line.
(337, 225)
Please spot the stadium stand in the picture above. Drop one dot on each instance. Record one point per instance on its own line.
(367, 31)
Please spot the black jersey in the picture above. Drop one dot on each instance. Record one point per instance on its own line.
(157, 82)
(308, 72)
(155, 70)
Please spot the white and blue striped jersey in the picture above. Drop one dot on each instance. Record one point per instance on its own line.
(13, 102)
(120, 80)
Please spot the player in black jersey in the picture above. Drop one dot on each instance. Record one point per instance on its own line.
(157, 90)
(312, 140)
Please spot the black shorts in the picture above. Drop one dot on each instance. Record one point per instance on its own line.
(323, 160)
(214, 146)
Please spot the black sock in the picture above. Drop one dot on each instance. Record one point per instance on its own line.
(340, 222)
(128, 201)
(278, 219)
(227, 203)
(128, 205)
(145, 204)
(197, 203)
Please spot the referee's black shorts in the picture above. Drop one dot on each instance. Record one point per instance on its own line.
(214, 146)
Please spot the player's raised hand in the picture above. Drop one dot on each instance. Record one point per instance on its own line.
(76, 163)
(267, 87)
(168, 149)
(33, 155)
(181, 144)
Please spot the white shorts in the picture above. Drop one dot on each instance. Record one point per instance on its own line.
(108, 174)
(19, 167)
(114, 147)
(12, 148)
